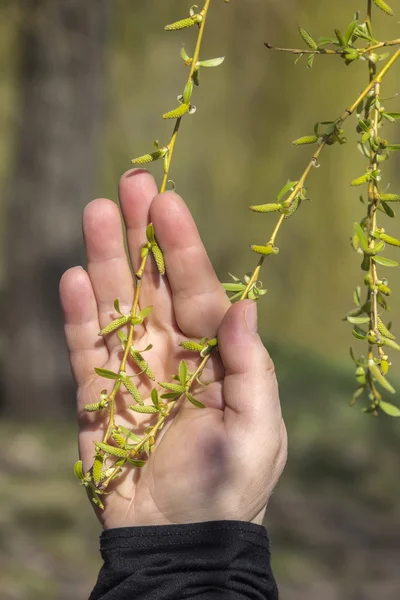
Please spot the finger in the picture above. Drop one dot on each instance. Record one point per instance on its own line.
(137, 190)
(81, 325)
(199, 300)
(250, 386)
(108, 264)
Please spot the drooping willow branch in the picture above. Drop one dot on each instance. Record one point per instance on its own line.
(368, 239)
(119, 444)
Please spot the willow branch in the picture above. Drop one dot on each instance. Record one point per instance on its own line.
(314, 161)
(172, 143)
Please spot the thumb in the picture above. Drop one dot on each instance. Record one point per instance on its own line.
(250, 386)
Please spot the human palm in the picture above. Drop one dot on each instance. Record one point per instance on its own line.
(220, 462)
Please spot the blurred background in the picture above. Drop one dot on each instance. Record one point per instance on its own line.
(82, 88)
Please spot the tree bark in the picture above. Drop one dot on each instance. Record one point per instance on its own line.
(60, 80)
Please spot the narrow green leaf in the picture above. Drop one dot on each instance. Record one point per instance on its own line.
(146, 312)
(389, 409)
(78, 470)
(150, 234)
(195, 402)
(376, 373)
(385, 262)
(212, 62)
(234, 287)
(155, 399)
(349, 32)
(183, 371)
(137, 463)
(359, 333)
(107, 374)
(358, 320)
(288, 187)
(360, 233)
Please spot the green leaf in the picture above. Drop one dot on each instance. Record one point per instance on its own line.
(155, 399)
(150, 234)
(376, 373)
(358, 320)
(130, 435)
(136, 463)
(359, 333)
(117, 307)
(145, 312)
(107, 374)
(184, 54)
(385, 262)
(183, 371)
(171, 395)
(389, 409)
(310, 61)
(349, 31)
(234, 287)
(360, 233)
(357, 296)
(123, 338)
(78, 470)
(195, 402)
(387, 209)
(288, 187)
(395, 115)
(212, 62)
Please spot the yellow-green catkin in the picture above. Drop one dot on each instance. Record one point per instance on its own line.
(385, 7)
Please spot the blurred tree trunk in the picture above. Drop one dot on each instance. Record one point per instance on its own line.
(60, 82)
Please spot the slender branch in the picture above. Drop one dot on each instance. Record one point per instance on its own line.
(330, 52)
(194, 61)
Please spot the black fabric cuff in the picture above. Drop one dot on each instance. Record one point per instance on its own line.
(206, 561)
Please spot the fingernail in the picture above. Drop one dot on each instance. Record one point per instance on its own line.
(251, 316)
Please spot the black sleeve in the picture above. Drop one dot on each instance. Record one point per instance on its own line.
(224, 560)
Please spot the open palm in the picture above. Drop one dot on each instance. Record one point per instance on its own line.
(221, 462)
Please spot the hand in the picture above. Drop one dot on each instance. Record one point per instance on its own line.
(217, 463)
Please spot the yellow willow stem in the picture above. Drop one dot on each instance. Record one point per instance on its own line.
(314, 161)
(135, 306)
(196, 55)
